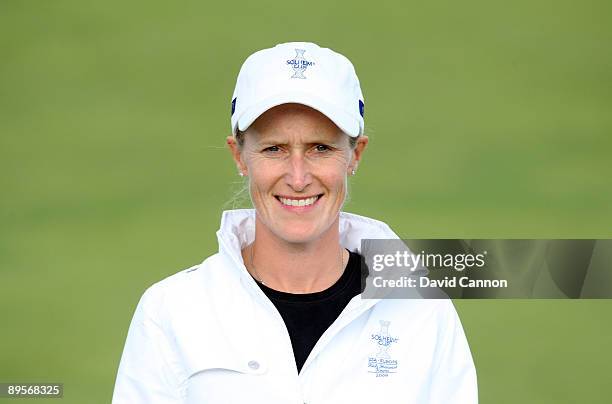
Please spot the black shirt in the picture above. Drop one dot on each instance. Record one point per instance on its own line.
(308, 315)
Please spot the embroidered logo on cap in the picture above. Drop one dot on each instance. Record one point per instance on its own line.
(299, 64)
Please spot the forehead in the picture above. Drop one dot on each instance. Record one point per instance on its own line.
(295, 122)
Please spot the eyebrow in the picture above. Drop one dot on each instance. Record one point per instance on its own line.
(282, 139)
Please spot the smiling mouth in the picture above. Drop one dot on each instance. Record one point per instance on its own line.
(298, 201)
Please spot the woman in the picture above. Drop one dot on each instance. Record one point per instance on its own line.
(275, 316)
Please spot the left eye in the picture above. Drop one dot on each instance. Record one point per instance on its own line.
(321, 148)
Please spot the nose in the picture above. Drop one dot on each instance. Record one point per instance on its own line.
(298, 175)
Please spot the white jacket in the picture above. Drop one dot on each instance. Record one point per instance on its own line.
(209, 335)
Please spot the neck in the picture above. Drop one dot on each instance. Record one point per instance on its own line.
(296, 267)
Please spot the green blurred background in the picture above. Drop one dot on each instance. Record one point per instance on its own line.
(486, 119)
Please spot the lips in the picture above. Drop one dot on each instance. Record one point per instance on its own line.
(299, 202)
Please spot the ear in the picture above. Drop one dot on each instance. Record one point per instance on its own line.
(357, 152)
(234, 149)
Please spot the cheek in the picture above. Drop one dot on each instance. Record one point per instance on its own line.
(261, 174)
(259, 183)
(334, 170)
(335, 181)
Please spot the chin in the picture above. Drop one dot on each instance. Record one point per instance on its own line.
(299, 233)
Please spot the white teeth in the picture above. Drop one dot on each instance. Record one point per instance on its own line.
(298, 202)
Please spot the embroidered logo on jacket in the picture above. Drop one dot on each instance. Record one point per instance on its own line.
(381, 361)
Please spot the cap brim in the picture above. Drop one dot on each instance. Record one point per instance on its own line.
(347, 123)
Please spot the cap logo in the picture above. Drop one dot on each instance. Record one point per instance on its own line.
(299, 64)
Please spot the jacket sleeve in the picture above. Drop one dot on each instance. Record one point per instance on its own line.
(144, 374)
(454, 375)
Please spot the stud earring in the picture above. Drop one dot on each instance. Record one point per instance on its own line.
(353, 171)
(241, 174)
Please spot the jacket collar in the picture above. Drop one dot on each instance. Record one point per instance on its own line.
(237, 230)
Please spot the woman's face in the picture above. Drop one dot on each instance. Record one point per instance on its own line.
(297, 161)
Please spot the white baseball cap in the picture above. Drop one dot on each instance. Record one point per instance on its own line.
(303, 73)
